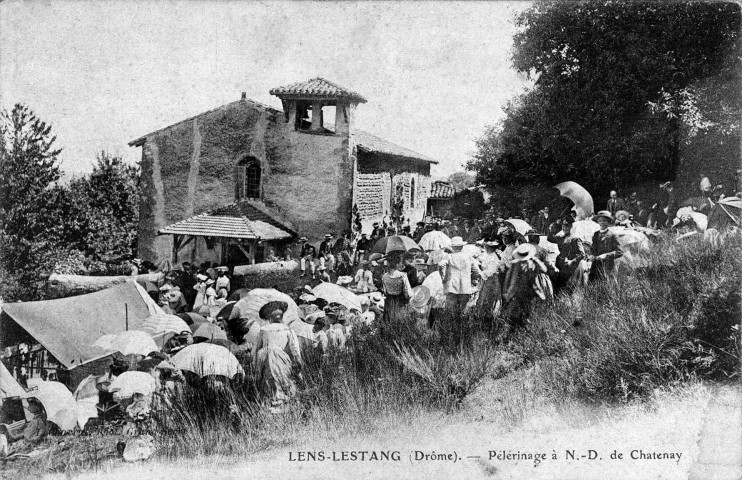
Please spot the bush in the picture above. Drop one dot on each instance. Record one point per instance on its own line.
(674, 319)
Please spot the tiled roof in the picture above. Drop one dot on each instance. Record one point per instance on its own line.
(371, 143)
(441, 190)
(246, 219)
(318, 87)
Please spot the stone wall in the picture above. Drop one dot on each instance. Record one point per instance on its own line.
(190, 167)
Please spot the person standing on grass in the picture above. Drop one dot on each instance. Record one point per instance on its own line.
(275, 355)
(456, 271)
(605, 249)
(396, 287)
(518, 288)
(569, 262)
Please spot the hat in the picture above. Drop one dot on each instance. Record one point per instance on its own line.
(209, 282)
(328, 235)
(222, 269)
(666, 184)
(321, 267)
(344, 280)
(457, 242)
(624, 212)
(375, 296)
(173, 296)
(302, 239)
(307, 297)
(531, 233)
(201, 277)
(420, 296)
(420, 224)
(166, 288)
(491, 243)
(136, 261)
(525, 251)
(605, 214)
(375, 224)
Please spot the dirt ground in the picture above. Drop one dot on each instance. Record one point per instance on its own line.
(571, 441)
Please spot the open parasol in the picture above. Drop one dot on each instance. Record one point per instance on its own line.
(332, 293)
(129, 383)
(521, 226)
(584, 230)
(249, 306)
(207, 359)
(58, 402)
(87, 397)
(629, 238)
(435, 240)
(699, 218)
(163, 323)
(208, 330)
(394, 243)
(582, 199)
(134, 342)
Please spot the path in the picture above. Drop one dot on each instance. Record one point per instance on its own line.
(720, 443)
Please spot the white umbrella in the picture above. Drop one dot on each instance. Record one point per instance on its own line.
(434, 283)
(629, 238)
(58, 402)
(434, 240)
(207, 359)
(582, 199)
(699, 218)
(521, 226)
(129, 342)
(157, 325)
(129, 383)
(249, 306)
(584, 230)
(332, 293)
(87, 398)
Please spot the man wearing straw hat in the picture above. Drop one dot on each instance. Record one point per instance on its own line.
(605, 249)
(456, 270)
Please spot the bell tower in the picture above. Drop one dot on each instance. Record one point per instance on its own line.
(319, 106)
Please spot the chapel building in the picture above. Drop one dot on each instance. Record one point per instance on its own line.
(226, 185)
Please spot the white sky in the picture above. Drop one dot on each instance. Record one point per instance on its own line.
(103, 73)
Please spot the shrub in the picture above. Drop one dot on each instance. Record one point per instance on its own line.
(661, 324)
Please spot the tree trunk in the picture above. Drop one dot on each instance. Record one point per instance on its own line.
(66, 285)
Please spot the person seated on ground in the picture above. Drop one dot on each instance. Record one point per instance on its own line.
(275, 355)
(366, 316)
(685, 224)
(323, 275)
(364, 278)
(542, 285)
(605, 247)
(339, 330)
(623, 220)
(37, 429)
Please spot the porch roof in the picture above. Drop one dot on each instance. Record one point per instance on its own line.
(244, 220)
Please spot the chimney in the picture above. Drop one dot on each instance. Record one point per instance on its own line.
(244, 95)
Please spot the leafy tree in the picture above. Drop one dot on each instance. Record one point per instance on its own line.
(28, 173)
(596, 67)
(461, 180)
(104, 211)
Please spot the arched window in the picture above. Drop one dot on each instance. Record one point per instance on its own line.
(247, 181)
(252, 180)
(412, 193)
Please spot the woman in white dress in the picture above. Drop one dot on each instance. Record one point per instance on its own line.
(275, 354)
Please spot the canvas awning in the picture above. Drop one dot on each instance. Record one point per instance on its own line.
(67, 327)
(244, 220)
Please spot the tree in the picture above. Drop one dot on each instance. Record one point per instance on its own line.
(28, 174)
(596, 67)
(461, 180)
(103, 215)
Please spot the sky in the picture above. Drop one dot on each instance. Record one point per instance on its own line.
(435, 74)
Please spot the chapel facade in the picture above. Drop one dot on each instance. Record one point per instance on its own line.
(228, 184)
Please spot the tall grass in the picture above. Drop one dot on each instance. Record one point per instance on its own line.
(674, 319)
(394, 372)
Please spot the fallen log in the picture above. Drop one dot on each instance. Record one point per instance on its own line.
(60, 285)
